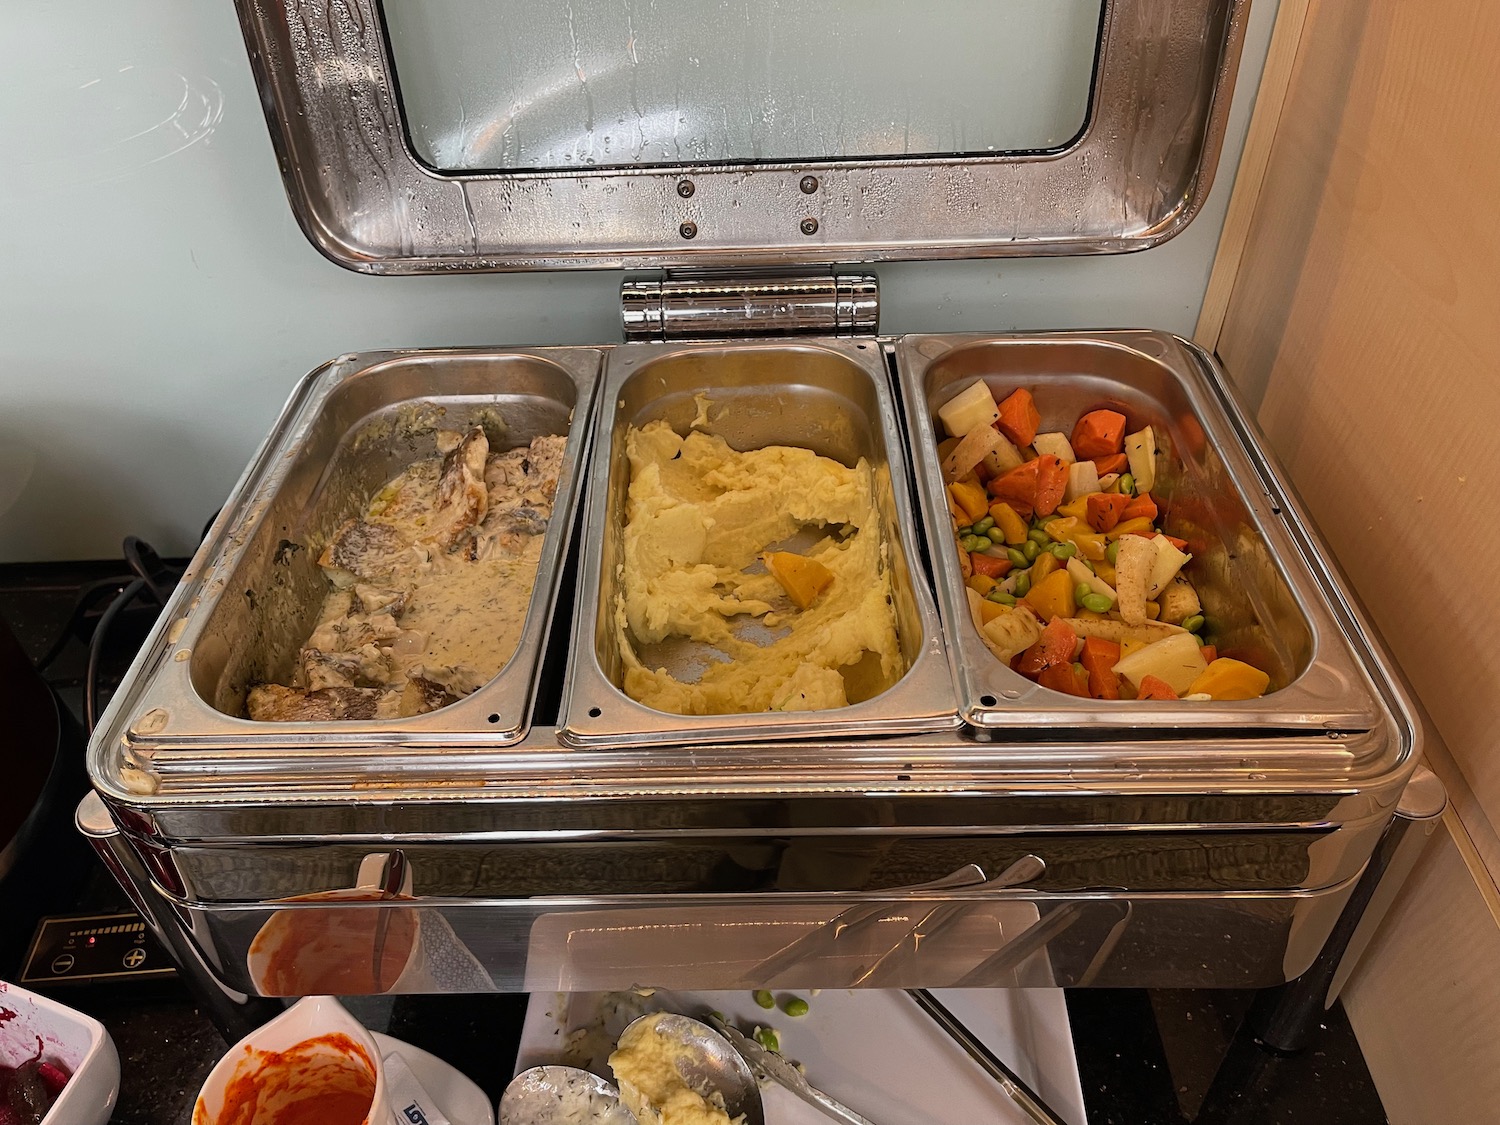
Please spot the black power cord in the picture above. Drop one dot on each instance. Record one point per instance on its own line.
(149, 577)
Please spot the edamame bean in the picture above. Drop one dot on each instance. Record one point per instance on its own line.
(984, 525)
(1194, 623)
(1030, 550)
(1040, 538)
(764, 998)
(1112, 552)
(1000, 597)
(1017, 559)
(1081, 591)
(1127, 485)
(1096, 603)
(766, 1037)
(995, 535)
(1023, 585)
(964, 532)
(794, 1006)
(1064, 550)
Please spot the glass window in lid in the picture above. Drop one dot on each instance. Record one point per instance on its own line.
(511, 85)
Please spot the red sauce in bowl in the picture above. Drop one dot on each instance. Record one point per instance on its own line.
(329, 1080)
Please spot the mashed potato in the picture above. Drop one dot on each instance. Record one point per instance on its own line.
(645, 1066)
(698, 518)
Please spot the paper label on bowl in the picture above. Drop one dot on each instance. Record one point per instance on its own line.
(410, 1102)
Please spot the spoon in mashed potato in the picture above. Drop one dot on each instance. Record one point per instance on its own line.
(673, 1070)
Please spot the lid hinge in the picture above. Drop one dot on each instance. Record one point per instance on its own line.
(723, 303)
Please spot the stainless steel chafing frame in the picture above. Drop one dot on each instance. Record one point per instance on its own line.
(1137, 174)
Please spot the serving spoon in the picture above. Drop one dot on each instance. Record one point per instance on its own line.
(708, 1063)
(561, 1095)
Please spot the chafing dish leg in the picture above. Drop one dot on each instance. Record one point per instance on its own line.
(1283, 1019)
(234, 1014)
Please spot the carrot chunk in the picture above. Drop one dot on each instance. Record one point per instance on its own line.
(1153, 688)
(1114, 463)
(1055, 647)
(1064, 678)
(1099, 659)
(1051, 483)
(988, 565)
(1104, 509)
(1017, 488)
(1019, 417)
(1141, 508)
(1099, 433)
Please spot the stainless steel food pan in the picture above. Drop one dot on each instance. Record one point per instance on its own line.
(253, 591)
(832, 397)
(1266, 588)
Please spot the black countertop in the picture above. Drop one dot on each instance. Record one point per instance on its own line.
(1145, 1057)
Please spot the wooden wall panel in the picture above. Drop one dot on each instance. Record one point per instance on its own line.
(1364, 322)
(1366, 315)
(1428, 1034)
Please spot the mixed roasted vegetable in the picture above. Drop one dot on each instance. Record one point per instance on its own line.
(1070, 579)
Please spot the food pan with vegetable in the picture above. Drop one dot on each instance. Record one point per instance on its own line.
(1106, 549)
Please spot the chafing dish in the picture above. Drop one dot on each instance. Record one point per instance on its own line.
(550, 846)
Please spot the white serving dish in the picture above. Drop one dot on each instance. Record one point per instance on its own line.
(874, 1050)
(70, 1039)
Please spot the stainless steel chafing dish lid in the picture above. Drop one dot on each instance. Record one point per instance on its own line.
(495, 136)
(253, 589)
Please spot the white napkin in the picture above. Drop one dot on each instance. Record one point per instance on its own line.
(410, 1102)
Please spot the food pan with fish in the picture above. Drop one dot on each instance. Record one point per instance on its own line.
(388, 564)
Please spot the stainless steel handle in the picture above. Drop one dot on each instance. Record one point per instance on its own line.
(940, 918)
(850, 921)
(1026, 1099)
(776, 1068)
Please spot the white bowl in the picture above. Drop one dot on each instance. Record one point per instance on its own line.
(300, 1028)
(70, 1039)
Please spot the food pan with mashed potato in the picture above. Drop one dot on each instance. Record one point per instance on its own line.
(754, 572)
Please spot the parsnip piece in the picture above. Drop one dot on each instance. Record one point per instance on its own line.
(1179, 601)
(1140, 448)
(971, 408)
(1003, 457)
(1056, 444)
(1011, 633)
(1083, 478)
(1081, 575)
(1122, 634)
(1177, 661)
(1132, 574)
(970, 451)
(974, 614)
(1169, 560)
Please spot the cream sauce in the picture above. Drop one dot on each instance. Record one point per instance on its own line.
(432, 587)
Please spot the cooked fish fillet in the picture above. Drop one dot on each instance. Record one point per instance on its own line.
(272, 703)
(363, 551)
(461, 491)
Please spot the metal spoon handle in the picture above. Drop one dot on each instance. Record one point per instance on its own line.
(1025, 1098)
(776, 1068)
